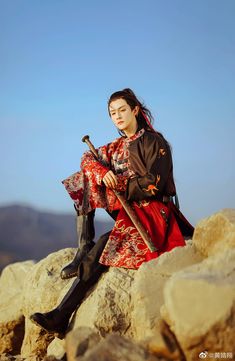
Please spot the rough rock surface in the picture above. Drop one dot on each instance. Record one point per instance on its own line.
(115, 348)
(147, 290)
(195, 296)
(200, 305)
(108, 307)
(215, 233)
(11, 315)
(79, 340)
(42, 292)
(56, 348)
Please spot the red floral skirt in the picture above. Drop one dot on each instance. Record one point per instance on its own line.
(126, 248)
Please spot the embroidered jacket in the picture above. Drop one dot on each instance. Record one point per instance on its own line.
(142, 164)
(151, 161)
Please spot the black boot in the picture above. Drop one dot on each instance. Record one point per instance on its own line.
(57, 320)
(86, 234)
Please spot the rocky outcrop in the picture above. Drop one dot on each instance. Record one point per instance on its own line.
(147, 290)
(215, 233)
(79, 341)
(108, 308)
(200, 305)
(115, 348)
(43, 289)
(172, 308)
(11, 313)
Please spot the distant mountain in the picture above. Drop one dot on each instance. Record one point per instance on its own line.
(27, 233)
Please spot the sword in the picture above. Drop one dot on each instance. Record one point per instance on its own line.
(127, 207)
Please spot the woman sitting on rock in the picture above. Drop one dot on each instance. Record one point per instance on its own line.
(139, 166)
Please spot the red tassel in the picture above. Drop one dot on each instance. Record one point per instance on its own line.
(147, 120)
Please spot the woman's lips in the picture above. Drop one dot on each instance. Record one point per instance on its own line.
(120, 122)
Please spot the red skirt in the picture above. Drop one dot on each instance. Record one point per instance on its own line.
(126, 248)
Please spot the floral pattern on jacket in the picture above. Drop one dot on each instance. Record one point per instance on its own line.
(86, 188)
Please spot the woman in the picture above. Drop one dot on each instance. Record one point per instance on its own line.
(139, 165)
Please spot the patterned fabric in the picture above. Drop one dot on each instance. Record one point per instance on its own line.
(143, 166)
(86, 188)
(126, 248)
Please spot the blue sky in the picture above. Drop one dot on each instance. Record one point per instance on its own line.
(60, 61)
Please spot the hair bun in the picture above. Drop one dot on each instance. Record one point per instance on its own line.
(129, 91)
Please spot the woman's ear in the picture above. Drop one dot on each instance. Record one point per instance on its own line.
(136, 110)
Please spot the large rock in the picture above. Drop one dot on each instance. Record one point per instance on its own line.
(43, 290)
(84, 343)
(108, 307)
(129, 301)
(215, 233)
(124, 301)
(116, 348)
(79, 341)
(11, 315)
(198, 295)
(200, 306)
(147, 290)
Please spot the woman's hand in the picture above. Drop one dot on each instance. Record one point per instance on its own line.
(110, 180)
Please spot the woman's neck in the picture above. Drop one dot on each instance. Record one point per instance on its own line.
(131, 130)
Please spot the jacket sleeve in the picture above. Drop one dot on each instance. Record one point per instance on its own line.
(157, 165)
(98, 167)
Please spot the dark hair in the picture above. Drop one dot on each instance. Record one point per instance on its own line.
(129, 96)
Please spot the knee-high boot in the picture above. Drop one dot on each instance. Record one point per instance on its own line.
(85, 234)
(57, 320)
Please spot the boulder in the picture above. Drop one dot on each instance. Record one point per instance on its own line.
(164, 344)
(120, 298)
(216, 233)
(84, 343)
(108, 307)
(121, 317)
(123, 298)
(147, 289)
(11, 314)
(79, 340)
(115, 348)
(43, 290)
(200, 306)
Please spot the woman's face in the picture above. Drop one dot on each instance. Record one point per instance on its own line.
(123, 117)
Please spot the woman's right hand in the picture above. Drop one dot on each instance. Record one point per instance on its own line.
(110, 180)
